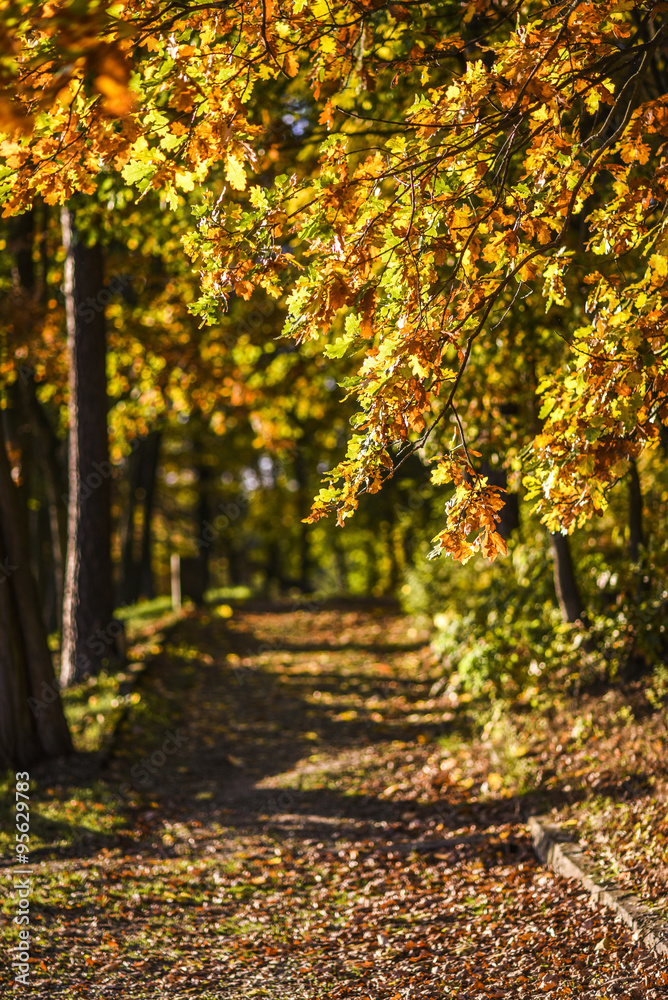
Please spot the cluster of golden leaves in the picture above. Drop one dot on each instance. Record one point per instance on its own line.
(411, 247)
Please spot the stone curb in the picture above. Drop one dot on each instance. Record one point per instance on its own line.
(565, 858)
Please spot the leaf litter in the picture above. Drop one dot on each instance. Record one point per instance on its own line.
(328, 829)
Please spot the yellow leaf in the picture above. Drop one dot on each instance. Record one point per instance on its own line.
(418, 368)
(258, 198)
(185, 180)
(659, 264)
(592, 102)
(235, 173)
(442, 474)
(495, 781)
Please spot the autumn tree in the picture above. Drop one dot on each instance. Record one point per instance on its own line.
(32, 722)
(88, 600)
(420, 219)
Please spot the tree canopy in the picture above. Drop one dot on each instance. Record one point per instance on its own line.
(416, 182)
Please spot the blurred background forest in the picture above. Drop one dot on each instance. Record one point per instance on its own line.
(220, 436)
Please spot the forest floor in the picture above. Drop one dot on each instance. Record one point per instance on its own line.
(291, 809)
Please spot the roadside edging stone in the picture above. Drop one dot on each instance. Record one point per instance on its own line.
(558, 852)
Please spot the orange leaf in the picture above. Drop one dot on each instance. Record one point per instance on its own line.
(326, 116)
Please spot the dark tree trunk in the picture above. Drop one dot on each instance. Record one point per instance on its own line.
(88, 603)
(205, 536)
(149, 472)
(19, 741)
(21, 238)
(340, 568)
(48, 449)
(304, 501)
(32, 722)
(26, 670)
(391, 566)
(128, 590)
(275, 580)
(48, 443)
(510, 512)
(565, 584)
(636, 539)
(234, 574)
(51, 611)
(137, 573)
(18, 440)
(371, 567)
(43, 216)
(304, 559)
(397, 555)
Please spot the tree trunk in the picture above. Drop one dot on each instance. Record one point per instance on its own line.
(203, 514)
(390, 566)
(149, 472)
(304, 501)
(26, 670)
(510, 512)
(128, 590)
(21, 238)
(636, 539)
(275, 581)
(234, 574)
(137, 574)
(19, 742)
(32, 722)
(88, 604)
(371, 566)
(48, 443)
(48, 446)
(565, 583)
(340, 568)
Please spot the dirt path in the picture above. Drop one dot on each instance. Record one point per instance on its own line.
(317, 829)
